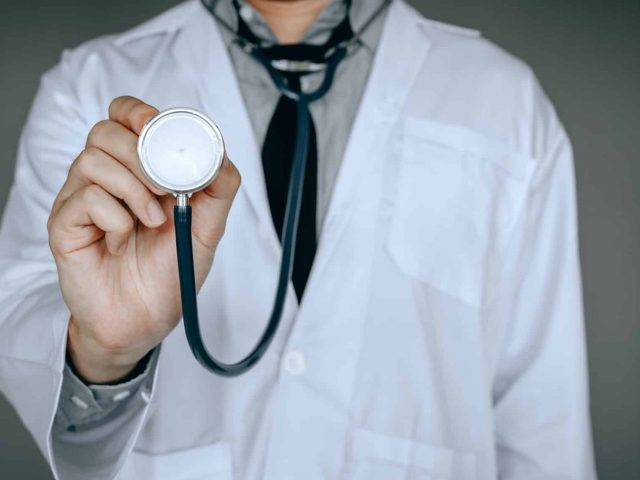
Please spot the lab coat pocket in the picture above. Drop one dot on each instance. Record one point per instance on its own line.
(210, 462)
(458, 196)
(382, 457)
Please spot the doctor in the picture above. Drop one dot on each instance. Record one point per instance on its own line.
(433, 329)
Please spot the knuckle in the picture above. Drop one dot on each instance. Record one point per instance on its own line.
(97, 132)
(54, 246)
(85, 162)
(124, 225)
(50, 224)
(137, 193)
(234, 177)
(53, 238)
(91, 193)
(117, 102)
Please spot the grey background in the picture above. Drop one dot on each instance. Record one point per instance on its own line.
(587, 55)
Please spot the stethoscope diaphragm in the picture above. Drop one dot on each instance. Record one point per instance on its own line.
(180, 151)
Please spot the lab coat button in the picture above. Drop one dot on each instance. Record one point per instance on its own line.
(294, 362)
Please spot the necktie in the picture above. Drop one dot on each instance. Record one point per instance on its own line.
(277, 150)
(277, 158)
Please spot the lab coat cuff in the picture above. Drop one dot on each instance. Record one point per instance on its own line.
(81, 404)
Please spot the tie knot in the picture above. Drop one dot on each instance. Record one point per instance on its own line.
(300, 51)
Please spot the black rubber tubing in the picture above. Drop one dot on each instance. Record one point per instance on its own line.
(182, 221)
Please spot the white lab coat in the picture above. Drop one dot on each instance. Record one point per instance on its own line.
(441, 333)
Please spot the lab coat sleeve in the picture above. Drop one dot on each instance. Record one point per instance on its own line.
(87, 434)
(540, 391)
(33, 315)
(83, 407)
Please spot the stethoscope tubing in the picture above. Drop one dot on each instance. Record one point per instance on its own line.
(182, 219)
(184, 248)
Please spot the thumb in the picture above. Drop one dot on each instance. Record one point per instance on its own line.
(210, 207)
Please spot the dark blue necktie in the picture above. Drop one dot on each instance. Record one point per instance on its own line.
(278, 149)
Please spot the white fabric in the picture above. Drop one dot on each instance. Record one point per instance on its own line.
(441, 333)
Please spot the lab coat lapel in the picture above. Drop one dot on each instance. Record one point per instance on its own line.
(400, 54)
(201, 51)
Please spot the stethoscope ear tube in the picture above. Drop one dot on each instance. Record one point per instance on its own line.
(184, 248)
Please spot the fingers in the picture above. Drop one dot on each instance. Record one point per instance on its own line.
(226, 183)
(131, 112)
(121, 143)
(84, 217)
(94, 166)
(108, 169)
(211, 206)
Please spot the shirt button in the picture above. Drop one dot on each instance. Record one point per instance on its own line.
(118, 397)
(79, 402)
(146, 396)
(294, 362)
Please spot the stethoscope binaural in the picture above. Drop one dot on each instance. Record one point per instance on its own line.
(181, 151)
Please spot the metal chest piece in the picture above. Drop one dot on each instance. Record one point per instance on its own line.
(180, 151)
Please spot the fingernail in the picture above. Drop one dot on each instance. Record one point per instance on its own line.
(156, 215)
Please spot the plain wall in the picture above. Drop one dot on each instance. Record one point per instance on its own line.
(587, 55)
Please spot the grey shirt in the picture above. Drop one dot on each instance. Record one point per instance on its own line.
(86, 407)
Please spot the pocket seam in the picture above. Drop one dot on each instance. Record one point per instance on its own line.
(468, 142)
(435, 460)
(172, 464)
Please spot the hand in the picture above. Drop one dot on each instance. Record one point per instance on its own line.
(112, 236)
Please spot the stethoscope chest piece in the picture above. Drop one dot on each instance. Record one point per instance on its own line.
(180, 150)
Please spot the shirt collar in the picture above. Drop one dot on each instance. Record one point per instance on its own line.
(318, 33)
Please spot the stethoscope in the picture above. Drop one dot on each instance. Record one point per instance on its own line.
(181, 151)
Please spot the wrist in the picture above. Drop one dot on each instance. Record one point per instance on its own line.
(95, 364)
